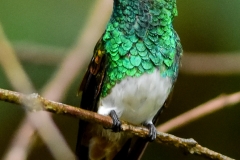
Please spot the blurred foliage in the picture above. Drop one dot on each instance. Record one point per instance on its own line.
(203, 26)
(47, 22)
(209, 26)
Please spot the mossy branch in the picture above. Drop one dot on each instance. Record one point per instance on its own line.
(32, 100)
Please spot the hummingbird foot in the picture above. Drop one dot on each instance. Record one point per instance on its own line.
(152, 132)
(116, 127)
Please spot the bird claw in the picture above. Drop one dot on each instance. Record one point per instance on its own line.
(152, 132)
(116, 127)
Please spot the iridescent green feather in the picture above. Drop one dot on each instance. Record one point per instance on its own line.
(140, 38)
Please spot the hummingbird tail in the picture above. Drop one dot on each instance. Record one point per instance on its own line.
(81, 149)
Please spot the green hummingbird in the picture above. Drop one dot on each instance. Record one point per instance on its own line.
(132, 71)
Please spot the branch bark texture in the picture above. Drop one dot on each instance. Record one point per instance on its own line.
(34, 99)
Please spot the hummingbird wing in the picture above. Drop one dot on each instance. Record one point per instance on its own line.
(90, 89)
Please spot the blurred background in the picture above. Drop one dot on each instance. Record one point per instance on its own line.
(45, 33)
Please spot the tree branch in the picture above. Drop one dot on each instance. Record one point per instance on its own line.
(193, 63)
(18, 150)
(34, 99)
(225, 63)
(200, 111)
(80, 54)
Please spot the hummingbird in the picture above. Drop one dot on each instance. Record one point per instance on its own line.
(130, 76)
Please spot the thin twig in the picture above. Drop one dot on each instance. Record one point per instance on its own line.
(20, 81)
(200, 111)
(24, 139)
(80, 55)
(39, 54)
(56, 88)
(223, 63)
(31, 100)
(12, 67)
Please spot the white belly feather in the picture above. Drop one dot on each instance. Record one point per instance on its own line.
(137, 99)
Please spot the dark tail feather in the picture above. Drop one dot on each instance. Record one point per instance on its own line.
(137, 149)
(81, 150)
(123, 153)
